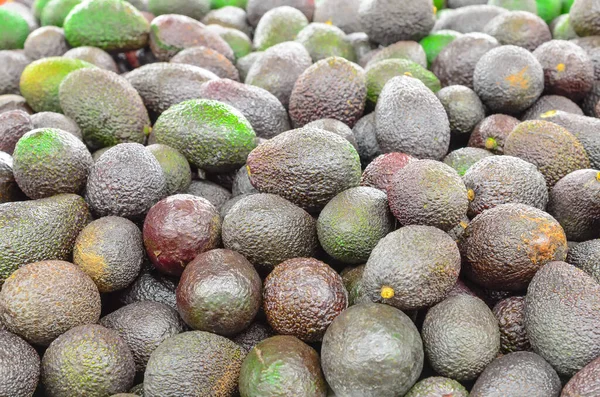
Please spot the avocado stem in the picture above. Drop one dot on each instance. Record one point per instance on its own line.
(387, 292)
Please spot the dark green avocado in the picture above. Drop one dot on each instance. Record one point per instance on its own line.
(150, 286)
(586, 256)
(278, 25)
(213, 192)
(253, 335)
(19, 366)
(175, 166)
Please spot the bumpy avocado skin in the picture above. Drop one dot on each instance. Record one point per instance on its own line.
(586, 256)
(464, 158)
(13, 125)
(213, 192)
(409, 50)
(563, 332)
(278, 25)
(584, 16)
(324, 41)
(9, 190)
(195, 9)
(39, 230)
(194, 363)
(19, 366)
(380, 171)
(372, 331)
(44, 42)
(549, 103)
(437, 385)
(253, 335)
(510, 313)
(519, 28)
(209, 59)
(56, 120)
(584, 383)
(175, 166)
(282, 366)
(14, 63)
(150, 286)
(464, 108)
(472, 18)
(491, 132)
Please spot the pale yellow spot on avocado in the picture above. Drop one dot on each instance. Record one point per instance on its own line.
(387, 292)
(471, 194)
(248, 170)
(519, 79)
(463, 224)
(598, 176)
(549, 113)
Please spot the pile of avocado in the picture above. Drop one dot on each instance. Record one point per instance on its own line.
(300, 198)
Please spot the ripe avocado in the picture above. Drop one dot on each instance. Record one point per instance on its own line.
(9, 190)
(14, 30)
(324, 41)
(437, 385)
(19, 366)
(520, 374)
(403, 270)
(356, 341)
(43, 300)
(292, 307)
(586, 256)
(89, 360)
(196, 9)
(550, 103)
(491, 132)
(448, 351)
(13, 125)
(245, 62)
(510, 313)
(278, 25)
(208, 59)
(193, 363)
(48, 41)
(176, 168)
(591, 103)
(219, 292)
(315, 96)
(503, 247)
(380, 171)
(410, 119)
(308, 166)
(435, 42)
(410, 50)
(14, 62)
(56, 120)
(268, 230)
(282, 366)
(585, 17)
(216, 194)
(111, 25)
(519, 28)
(39, 230)
(584, 382)
(93, 55)
(463, 107)
(55, 12)
(561, 319)
(464, 158)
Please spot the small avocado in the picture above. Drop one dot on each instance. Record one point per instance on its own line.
(278, 25)
(71, 363)
(150, 286)
(366, 139)
(405, 272)
(9, 190)
(585, 17)
(372, 331)
(584, 382)
(409, 50)
(14, 62)
(55, 12)
(379, 172)
(208, 59)
(437, 386)
(464, 158)
(502, 248)
(550, 104)
(586, 256)
(491, 132)
(47, 41)
(216, 194)
(56, 120)
(563, 333)
(281, 366)
(13, 125)
(19, 366)
(196, 9)
(448, 351)
(323, 41)
(14, 30)
(519, 28)
(352, 279)
(510, 313)
(463, 107)
(175, 166)
(193, 363)
(435, 42)
(42, 300)
(143, 326)
(239, 42)
(256, 9)
(93, 55)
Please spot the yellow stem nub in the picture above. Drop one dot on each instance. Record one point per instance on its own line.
(471, 194)
(598, 176)
(387, 292)
(490, 143)
(463, 224)
(560, 67)
(409, 74)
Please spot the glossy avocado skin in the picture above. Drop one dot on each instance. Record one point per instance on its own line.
(510, 313)
(520, 374)
(282, 366)
(19, 366)
(584, 383)
(56, 221)
(375, 330)
(586, 256)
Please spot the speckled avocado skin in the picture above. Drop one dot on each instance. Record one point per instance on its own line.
(463, 106)
(19, 366)
(13, 125)
(257, 8)
(282, 366)
(561, 317)
(151, 286)
(547, 103)
(510, 313)
(586, 256)
(584, 18)
(39, 230)
(14, 62)
(584, 383)
(278, 25)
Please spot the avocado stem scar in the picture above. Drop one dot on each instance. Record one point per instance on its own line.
(387, 292)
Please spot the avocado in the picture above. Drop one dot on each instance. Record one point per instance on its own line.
(49, 162)
(282, 366)
(56, 120)
(437, 385)
(110, 250)
(196, 9)
(519, 28)
(125, 181)
(410, 119)
(366, 139)
(574, 203)
(37, 7)
(177, 229)
(516, 5)
(262, 109)
(463, 107)
(150, 286)
(340, 13)
(591, 103)
(39, 230)
(491, 132)
(268, 230)
(93, 55)
(568, 70)
(41, 80)
(585, 129)
(554, 150)
(410, 50)
(143, 326)
(193, 363)
(363, 47)
(89, 360)
(464, 158)
(111, 25)
(176, 169)
(323, 41)
(498, 180)
(585, 17)
(43, 300)
(239, 42)
(508, 79)
(356, 341)
(550, 103)
(10, 102)
(352, 279)
(256, 9)
(428, 192)
(388, 21)
(469, 19)
(586, 256)
(510, 313)
(19, 366)
(561, 319)
(253, 335)
(278, 68)
(503, 247)
(227, 310)
(162, 85)
(216, 194)
(379, 73)
(314, 97)
(561, 28)
(55, 12)
(14, 63)
(435, 42)
(48, 41)
(584, 382)
(229, 16)
(13, 125)
(169, 34)
(460, 337)
(519, 374)
(208, 59)
(9, 190)
(455, 64)
(308, 166)
(14, 30)
(278, 25)
(244, 63)
(379, 172)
